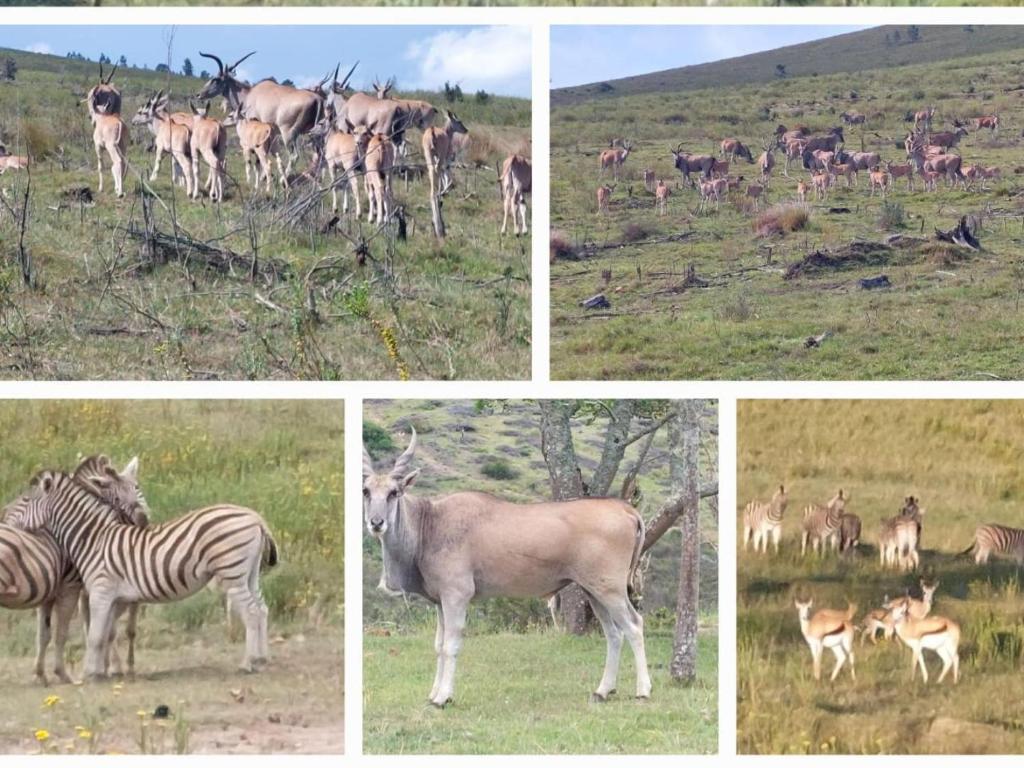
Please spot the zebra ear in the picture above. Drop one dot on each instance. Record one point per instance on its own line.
(131, 470)
(46, 482)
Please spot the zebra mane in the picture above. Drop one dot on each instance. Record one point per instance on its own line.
(92, 467)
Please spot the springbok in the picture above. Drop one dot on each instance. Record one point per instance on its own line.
(986, 121)
(801, 191)
(477, 546)
(879, 179)
(923, 118)
(516, 183)
(209, 141)
(822, 182)
(604, 196)
(169, 136)
(714, 188)
(901, 171)
(828, 629)
(733, 148)
(661, 195)
(258, 141)
(614, 158)
(379, 162)
(934, 633)
(109, 133)
(756, 192)
(295, 111)
(437, 145)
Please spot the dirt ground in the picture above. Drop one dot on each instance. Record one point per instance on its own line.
(294, 706)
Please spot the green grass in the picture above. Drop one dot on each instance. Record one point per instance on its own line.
(103, 309)
(545, 679)
(949, 314)
(963, 460)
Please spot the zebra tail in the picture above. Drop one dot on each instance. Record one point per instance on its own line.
(270, 554)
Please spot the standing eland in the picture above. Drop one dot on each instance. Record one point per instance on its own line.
(472, 545)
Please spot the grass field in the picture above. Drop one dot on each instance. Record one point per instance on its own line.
(522, 687)
(529, 694)
(105, 308)
(963, 460)
(281, 458)
(950, 313)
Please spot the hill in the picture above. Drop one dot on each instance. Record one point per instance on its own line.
(858, 52)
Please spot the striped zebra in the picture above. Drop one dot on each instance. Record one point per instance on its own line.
(761, 520)
(899, 537)
(822, 523)
(36, 573)
(226, 544)
(993, 538)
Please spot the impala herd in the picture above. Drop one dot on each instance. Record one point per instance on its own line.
(360, 135)
(830, 527)
(930, 157)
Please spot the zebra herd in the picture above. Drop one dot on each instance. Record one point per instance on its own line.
(86, 537)
(829, 526)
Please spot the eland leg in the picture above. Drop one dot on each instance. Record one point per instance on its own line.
(631, 624)
(438, 647)
(613, 636)
(454, 607)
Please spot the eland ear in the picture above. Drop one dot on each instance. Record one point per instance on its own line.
(131, 470)
(409, 479)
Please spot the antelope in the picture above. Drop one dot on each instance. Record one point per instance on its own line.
(209, 141)
(379, 161)
(847, 170)
(828, 142)
(169, 136)
(345, 149)
(801, 191)
(981, 173)
(720, 169)
(947, 139)
(614, 158)
(733, 185)
(923, 118)
(604, 195)
(948, 165)
(865, 161)
(12, 162)
(756, 192)
(516, 183)
(687, 163)
(661, 195)
(379, 113)
(879, 179)
(853, 118)
(794, 150)
(822, 181)
(831, 630)
(733, 148)
(783, 135)
(818, 159)
(295, 111)
(109, 133)
(900, 171)
(714, 188)
(934, 633)
(437, 144)
(899, 536)
(258, 141)
(649, 180)
(987, 121)
(929, 178)
(766, 162)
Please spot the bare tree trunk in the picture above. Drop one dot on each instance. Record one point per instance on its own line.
(615, 442)
(566, 483)
(684, 474)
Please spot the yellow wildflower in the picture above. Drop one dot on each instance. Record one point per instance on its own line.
(51, 701)
(42, 735)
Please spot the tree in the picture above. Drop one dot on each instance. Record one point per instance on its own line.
(684, 474)
(780, 70)
(186, 68)
(204, 75)
(123, 61)
(162, 68)
(104, 59)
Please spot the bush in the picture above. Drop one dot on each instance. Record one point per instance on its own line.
(891, 216)
(781, 220)
(561, 248)
(38, 138)
(634, 233)
(377, 440)
(499, 469)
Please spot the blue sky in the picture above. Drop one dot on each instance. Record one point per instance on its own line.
(496, 59)
(582, 55)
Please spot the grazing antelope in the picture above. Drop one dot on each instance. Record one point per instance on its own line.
(649, 180)
(687, 163)
(900, 171)
(757, 192)
(933, 633)
(980, 173)
(923, 118)
(379, 162)
(822, 181)
(661, 195)
(258, 141)
(109, 133)
(987, 121)
(516, 182)
(733, 148)
(879, 179)
(801, 191)
(831, 630)
(714, 188)
(604, 196)
(821, 524)
(169, 136)
(209, 141)
(614, 158)
(761, 520)
(853, 118)
(437, 146)
(1000, 539)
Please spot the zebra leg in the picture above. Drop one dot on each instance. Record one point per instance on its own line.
(131, 631)
(776, 536)
(67, 604)
(43, 615)
(248, 610)
(112, 663)
(101, 609)
(262, 641)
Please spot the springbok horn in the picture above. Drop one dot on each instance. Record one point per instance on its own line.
(402, 462)
(367, 463)
(220, 64)
(344, 83)
(111, 75)
(235, 65)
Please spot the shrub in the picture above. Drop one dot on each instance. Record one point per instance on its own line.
(377, 439)
(38, 138)
(633, 233)
(561, 248)
(499, 469)
(891, 216)
(781, 220)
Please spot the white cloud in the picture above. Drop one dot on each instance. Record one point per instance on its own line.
(40, 48)
(492, 58)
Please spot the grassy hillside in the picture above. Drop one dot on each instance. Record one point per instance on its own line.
(106, 307)
(854, 52)
(523, 686)
(964, 461)
(949, 313)
(281, 458)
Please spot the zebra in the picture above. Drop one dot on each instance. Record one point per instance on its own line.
(849, 532)
(761, 520)
(1000, 539)
(170, 561)
(899, 537)
(821, 524)
(36, 573)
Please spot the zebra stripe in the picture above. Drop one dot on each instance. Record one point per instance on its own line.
(761, 519)
(821, 524)
(160, 563)
(1000, 539)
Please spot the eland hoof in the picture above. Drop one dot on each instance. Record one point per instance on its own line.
(441, 704)
(597, 698)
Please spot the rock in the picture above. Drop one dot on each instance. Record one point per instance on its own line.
(870, 283)
(600, 301)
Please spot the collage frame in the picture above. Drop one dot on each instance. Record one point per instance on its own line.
(540, 386)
